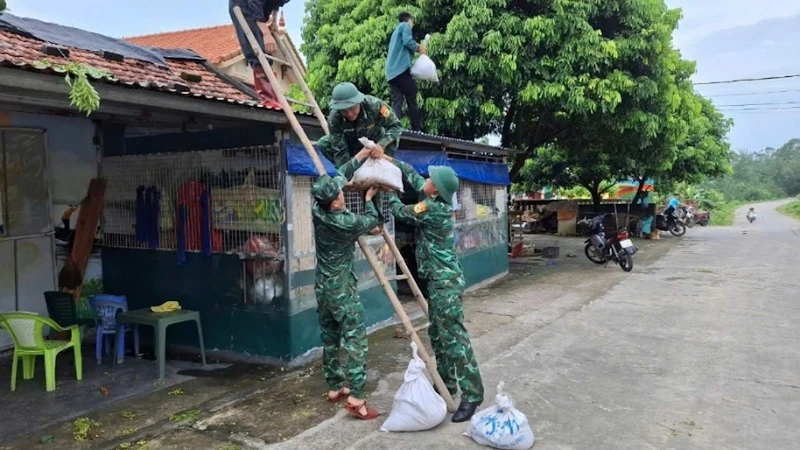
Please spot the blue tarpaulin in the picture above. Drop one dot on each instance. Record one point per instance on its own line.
(300, 163)
(479, 171)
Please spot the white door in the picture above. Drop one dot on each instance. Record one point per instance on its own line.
(26, 227)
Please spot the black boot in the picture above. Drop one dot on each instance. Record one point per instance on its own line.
(465, 411)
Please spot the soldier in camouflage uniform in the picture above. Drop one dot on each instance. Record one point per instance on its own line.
(355, 115)
(341, 314)
(438, 264)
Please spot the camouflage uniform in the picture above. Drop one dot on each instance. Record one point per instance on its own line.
(438, 264)
(376, 122)
(341, 314)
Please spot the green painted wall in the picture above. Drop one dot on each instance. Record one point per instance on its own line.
(484, 264)
(211, 285)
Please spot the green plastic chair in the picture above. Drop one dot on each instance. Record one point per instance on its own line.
(27, 331)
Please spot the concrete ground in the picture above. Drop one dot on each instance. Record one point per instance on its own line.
(696, 348)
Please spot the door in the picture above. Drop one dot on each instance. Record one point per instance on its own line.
(26, 225)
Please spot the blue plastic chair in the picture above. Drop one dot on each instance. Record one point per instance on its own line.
(106, 307)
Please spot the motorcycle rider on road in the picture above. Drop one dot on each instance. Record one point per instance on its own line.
(751, 215)
(672, 208)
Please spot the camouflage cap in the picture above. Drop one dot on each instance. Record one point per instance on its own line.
(344, 96)
(326, 188)
(445, 180)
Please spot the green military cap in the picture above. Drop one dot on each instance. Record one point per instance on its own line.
(326, 188)
(345, 96)
(445, 180)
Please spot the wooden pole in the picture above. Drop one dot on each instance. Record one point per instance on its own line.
(401, 313)
(86, 228)
(412, 283)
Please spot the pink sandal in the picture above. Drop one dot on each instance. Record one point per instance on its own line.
(355, 410)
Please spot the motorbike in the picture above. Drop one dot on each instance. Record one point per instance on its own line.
(702, 218)
(677, 227)
(617, 248)
(751, 217)
(686, 215)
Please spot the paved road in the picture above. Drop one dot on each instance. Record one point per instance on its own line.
(700, 349)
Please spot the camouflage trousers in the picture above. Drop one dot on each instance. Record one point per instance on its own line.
(341, 320)
(455, 358)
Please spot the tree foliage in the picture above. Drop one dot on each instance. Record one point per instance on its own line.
(764, 175)
(585, 91)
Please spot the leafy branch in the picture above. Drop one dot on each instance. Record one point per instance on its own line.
(82, 95)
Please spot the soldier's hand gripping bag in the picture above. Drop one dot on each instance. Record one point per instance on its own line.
(377, 172)
(501, 425)
(417, 407)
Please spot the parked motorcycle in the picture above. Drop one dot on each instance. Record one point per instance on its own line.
(602, 250)
(702, 218)
(677, 228)
(686, 216)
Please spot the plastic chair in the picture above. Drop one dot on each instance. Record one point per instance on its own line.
(27, 332)
(61, 308)
(106, 307)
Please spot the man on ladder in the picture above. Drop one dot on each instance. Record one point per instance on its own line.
(258, 14)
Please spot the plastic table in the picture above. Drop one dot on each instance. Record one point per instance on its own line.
(160, 322)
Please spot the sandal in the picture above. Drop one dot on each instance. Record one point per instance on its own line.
(355, 410)
(340, 395)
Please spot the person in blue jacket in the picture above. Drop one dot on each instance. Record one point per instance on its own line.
(402, 85)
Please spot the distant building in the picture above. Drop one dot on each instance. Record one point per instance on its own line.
(220, 47)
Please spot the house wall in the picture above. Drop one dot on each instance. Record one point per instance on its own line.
(238, 68)
(30, 264)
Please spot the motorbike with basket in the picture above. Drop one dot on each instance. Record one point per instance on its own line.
(601, 249)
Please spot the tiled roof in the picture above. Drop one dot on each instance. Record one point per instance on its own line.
(26, 53)
(216, 44)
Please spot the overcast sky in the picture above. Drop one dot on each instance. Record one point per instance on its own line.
(728, 38)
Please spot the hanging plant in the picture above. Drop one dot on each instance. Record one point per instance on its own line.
(82, 95)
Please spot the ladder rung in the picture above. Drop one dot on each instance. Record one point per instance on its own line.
(398, 278)
(422, 327)
(278, 60)
(298, 102)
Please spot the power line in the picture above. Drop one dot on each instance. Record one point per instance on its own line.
(740, 94)
(760, 104)
(788, 108)
(747, 80)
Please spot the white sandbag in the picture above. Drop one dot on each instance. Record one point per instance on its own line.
(377, 172)
(501, 425)
(417, 407)
(424, 67)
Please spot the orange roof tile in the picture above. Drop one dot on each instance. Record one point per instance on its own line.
(25, 53)
(216, 44)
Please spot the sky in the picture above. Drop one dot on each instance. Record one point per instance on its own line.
(728, 38)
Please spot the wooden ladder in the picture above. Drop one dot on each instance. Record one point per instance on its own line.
(286, 105)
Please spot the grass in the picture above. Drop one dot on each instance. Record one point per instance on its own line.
(723, 214)
(791, 209)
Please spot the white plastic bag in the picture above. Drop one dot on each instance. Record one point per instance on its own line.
(424, 68)
(417, 407)
(377, 172)
(501, 426)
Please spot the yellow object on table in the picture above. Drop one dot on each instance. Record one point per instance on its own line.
(166, 307)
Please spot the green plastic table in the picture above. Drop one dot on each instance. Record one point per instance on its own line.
(160, 322)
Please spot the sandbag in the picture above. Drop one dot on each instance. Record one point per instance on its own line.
(377, 172)
(417, 407)
(424, 67)
(501, 426)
